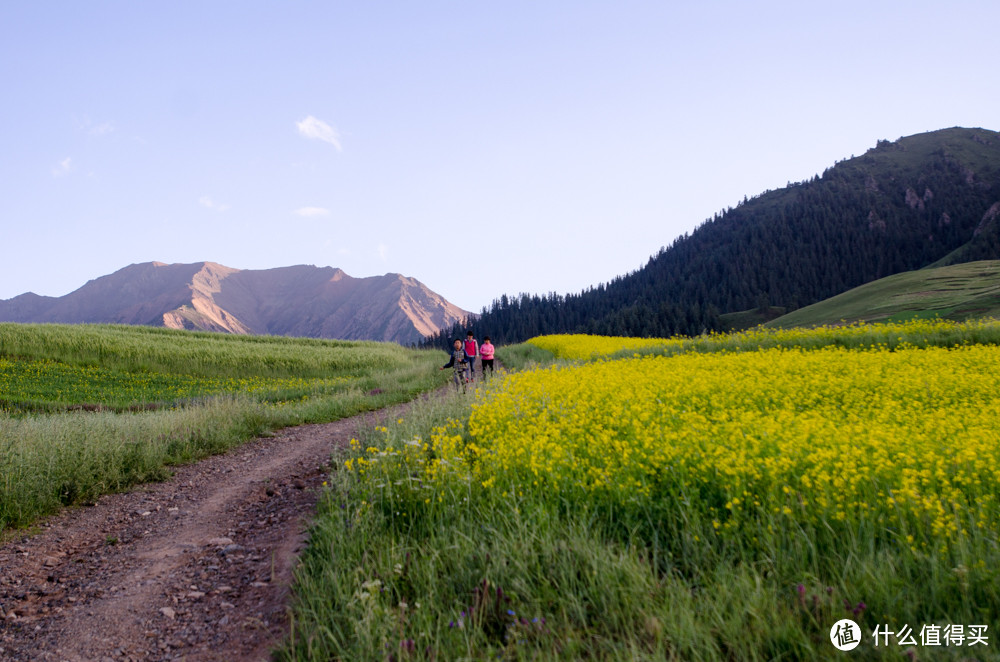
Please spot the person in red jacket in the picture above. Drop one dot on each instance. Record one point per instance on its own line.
(471, 351)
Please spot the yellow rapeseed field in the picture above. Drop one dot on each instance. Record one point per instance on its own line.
(915, 332)
(682, 493)
(904, 440)
(582, 346)
(901, 443)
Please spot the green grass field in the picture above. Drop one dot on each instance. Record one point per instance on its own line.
(958, 292)
(90, 409)
(47, 386)
(149, 349)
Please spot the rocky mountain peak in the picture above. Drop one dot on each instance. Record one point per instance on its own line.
(302, 300)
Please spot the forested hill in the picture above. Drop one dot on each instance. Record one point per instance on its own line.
(931, 197)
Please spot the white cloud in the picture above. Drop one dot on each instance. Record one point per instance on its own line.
(87, 126)
(311, 212)
(383, 252)
(211, 204)
(102, 129)
(64, 167)
(316, 129)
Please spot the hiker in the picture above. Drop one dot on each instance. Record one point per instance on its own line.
(471, 350)
(486, 356)
(458, 364)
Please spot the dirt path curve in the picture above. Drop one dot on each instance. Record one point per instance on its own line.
(195, 568)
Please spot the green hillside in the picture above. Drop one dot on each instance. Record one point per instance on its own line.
(956, 292)
(931, 199)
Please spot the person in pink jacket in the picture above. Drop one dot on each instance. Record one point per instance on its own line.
(486, 355)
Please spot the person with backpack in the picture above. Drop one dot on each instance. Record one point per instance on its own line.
(458, 364)
(471, 351)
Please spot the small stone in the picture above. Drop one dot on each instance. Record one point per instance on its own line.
(219, 542)
(194, 595)
(168, 612)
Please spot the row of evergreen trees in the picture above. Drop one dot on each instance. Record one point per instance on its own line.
(900, 207)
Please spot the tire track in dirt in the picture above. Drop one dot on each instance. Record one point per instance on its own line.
(197, 567)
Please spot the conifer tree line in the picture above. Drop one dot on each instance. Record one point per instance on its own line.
(926, 199)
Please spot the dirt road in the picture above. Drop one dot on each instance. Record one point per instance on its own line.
(195, 568)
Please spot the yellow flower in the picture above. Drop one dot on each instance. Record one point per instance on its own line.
(745, 431)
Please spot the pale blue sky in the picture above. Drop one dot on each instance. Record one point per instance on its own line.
(482, 148)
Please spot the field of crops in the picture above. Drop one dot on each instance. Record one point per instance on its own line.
(726, 497)
(912, 334)
(85, 409)
(200, 354)
(830, 439)
(31, 385)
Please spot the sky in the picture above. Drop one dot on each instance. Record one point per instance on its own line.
(481, 148)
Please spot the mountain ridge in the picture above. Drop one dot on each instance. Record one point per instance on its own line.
(301, 300)
(900, 206)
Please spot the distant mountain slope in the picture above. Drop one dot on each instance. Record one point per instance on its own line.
(302, 301)
(901, 206)
(956, 292)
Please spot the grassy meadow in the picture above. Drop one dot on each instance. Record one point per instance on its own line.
(970, 290)
(90, 409)
(717, 498)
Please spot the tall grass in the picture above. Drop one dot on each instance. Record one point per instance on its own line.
(49, 460)
(62, 459)
(524, 356)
